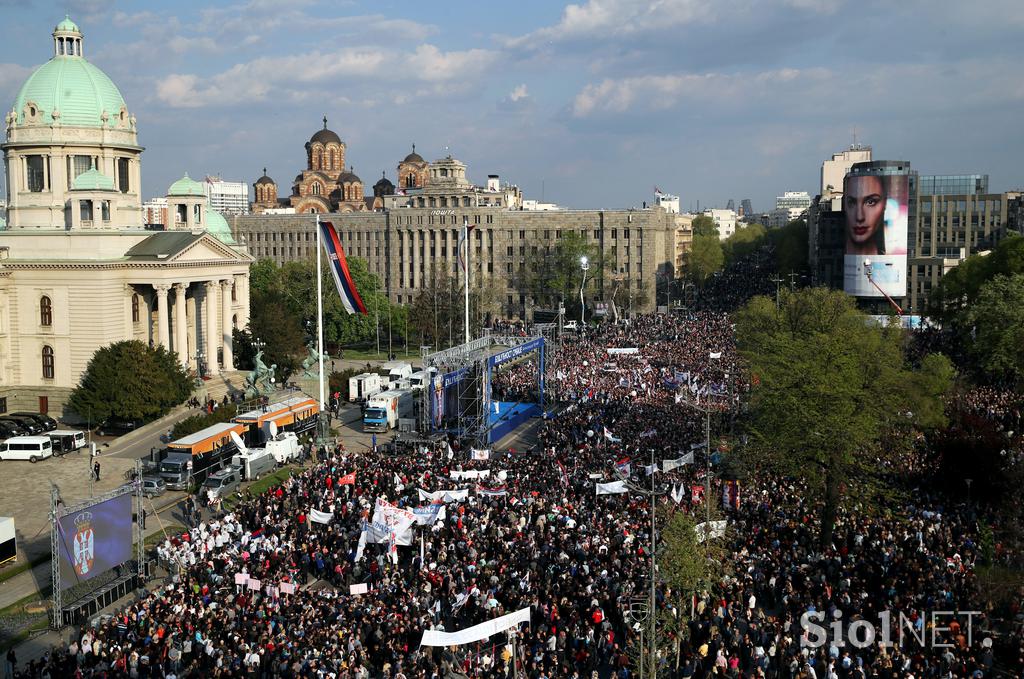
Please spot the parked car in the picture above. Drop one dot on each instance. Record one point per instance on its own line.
(19, 428)
(221, 484)
(114, 426)
(153, 486)
(9, 429)
(45, 421)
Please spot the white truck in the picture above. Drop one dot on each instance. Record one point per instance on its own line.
(280, 448)
(363, 386)
(418, 380)
(385, 409)
(397, 370)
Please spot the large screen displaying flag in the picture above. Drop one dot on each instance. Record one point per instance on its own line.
(94, 540)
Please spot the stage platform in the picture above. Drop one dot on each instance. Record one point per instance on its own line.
(506, 417)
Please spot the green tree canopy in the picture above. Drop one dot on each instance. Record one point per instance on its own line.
(132, 381)
(996, 321)
(743, 242)
(706, 257)
(557, 276)
(791, 251)
(957, 291)
(829, 385)
(704, 226)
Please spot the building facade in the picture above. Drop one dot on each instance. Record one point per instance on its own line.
(403, 246)
(835, 168)
(725, 220)
(231, 198)
(78, 270)
(943, 229)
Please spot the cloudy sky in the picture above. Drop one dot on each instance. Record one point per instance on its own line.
(590, 104)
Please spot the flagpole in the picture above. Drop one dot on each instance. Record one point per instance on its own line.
(320, 314)
(465, 236)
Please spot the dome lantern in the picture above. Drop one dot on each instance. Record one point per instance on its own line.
(67, 39)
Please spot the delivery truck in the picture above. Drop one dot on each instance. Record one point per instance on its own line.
(363, 386)
(383, 410)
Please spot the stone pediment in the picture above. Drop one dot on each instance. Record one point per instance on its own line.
(205, 249)
(183, 247)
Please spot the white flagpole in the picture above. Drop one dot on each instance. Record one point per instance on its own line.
(320, 312)
(465, 231)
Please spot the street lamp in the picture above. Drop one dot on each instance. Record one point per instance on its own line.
(200, 368)
(585, 265)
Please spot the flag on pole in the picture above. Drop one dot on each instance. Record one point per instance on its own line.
(608, 435)
(623, 466)
(464, 238)
(350, 298)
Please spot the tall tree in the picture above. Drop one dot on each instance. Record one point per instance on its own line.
(829, 386)
(956, 292)
(743, 242)
(706, 257)
(556, 277)
(132, 381)
(996, 321)
(280, 331)
(791, 251)
(704, 226)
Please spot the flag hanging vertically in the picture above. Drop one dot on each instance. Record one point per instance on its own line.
(350, 298)
(464, 238)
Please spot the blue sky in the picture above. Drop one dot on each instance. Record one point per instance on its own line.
(592, 103)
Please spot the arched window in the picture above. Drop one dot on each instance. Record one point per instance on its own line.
(331, 159)
(135, 308)
(410, 181)
(45, 311)
(47, 362)
(316, 188)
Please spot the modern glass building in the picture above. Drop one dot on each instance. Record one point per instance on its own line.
(952, 184)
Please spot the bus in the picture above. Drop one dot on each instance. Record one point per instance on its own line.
(298, 414)
(198, 454)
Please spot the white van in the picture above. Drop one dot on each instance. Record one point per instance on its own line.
(31, 448)
(67, 440)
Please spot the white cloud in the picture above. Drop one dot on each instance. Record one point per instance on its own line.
(299, 77)
(519, 92)
(431, 64)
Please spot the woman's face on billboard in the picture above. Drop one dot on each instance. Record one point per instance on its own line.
(864, 206)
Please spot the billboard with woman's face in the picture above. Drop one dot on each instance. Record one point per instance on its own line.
(875, 219)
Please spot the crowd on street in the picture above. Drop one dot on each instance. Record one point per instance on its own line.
(285, 584)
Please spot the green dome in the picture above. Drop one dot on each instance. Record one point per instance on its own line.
(92, 180)
(218, 227)
(186, 186)
(67, 25)
(74, 87)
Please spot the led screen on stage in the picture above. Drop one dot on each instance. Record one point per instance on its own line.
(94, 540)
(875, 216)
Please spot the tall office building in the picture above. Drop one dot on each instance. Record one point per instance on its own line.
(746, 209)
(227, 197)
(834, 169)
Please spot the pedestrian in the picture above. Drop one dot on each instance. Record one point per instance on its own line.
(12, 663)
(96, 469)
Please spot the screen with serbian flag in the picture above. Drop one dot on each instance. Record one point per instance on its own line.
(350, 298)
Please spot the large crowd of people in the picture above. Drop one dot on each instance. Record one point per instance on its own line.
(534, 533)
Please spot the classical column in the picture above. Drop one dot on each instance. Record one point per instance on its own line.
(162, 317)
(414, 279)
(180, 324)
(242, 289)
(225, 303)
(210, 330)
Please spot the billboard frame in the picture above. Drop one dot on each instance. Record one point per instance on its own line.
(59, 510)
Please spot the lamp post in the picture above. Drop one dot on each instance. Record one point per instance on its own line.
(200, 368)
(653, 494)
(585, 266)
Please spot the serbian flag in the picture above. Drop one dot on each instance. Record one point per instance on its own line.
(350, 298)
(463, 238)
(623, 466)
(348, 479)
